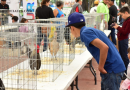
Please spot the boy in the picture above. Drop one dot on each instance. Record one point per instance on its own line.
(103, 50)
(122, 35)
(14, 19)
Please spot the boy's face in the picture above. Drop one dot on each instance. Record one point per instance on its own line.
(124, 15)
(128, 55)
(74, 31)
(122, 3)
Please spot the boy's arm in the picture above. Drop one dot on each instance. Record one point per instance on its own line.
(123, 29)
(103, 54)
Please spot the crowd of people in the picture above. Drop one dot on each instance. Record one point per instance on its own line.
(112, 63)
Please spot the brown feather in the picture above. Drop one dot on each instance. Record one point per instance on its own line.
(54, 47)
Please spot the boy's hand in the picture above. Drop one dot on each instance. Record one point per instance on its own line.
(102, 70)
(115, 26)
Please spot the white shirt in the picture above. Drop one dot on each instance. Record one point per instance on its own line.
(93, 9)
(125, 5)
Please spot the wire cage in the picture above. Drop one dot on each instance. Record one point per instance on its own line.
(15, 71)
(68, 39)
(4, 13)
(98, 21)
(49, 48)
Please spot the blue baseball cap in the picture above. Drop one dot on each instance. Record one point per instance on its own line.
(75, 18)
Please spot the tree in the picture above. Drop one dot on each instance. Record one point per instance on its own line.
(87, 4)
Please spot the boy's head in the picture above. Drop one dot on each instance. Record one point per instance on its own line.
(125, 12)
(76, 21)
(128, 53)
(14, 19)
(123, 2)
(79, 1)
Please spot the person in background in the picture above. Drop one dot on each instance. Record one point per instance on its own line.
(123, 33)
(3, 5)
(14, 19)
(43, 12)
(111, 65)
(123, 4)
(103, 8)
(23, 28)
(94, 9)
(113, 15)
(57, 12)
(77, 7)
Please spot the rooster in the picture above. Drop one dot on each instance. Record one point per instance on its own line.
(35, 61)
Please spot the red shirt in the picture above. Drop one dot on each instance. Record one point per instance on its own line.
(77, 9)
(124, 31)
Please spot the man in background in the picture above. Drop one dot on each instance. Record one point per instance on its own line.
(77, 7)
(5, 6)
(103, 8)
(113, 16)
(94, 9)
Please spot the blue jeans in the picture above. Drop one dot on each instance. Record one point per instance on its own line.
(123, 46)
(112, 34)
(111, 81)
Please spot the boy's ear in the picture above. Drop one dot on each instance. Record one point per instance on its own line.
(72, 27)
